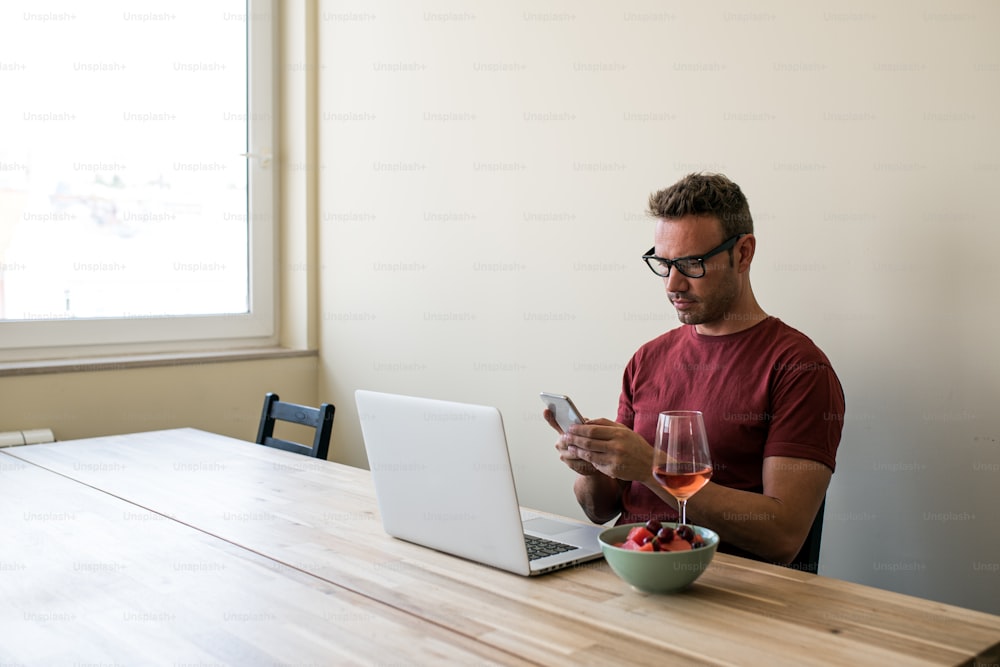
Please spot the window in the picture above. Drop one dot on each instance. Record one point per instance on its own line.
(136, 183)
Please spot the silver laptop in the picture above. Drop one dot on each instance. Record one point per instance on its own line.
(443, 480)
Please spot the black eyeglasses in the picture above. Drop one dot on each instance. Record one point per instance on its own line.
(692, 267)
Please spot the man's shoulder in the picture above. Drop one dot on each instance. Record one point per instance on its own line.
(787, 348)
(789, 335)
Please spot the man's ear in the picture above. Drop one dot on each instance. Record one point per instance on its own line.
(744, 251)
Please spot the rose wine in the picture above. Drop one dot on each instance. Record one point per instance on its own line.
(683, 480)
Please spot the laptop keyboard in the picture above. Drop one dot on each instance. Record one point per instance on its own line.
(539, 547)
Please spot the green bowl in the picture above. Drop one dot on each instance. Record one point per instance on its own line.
(657, 571)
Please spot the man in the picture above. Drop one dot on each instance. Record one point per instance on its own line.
(773, 405)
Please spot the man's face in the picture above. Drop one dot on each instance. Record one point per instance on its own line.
(704, 300)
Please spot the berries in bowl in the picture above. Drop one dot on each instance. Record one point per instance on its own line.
(656, 557)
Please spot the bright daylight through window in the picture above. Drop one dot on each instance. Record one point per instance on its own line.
(135, 171)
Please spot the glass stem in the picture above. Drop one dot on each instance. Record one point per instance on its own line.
(683, 504)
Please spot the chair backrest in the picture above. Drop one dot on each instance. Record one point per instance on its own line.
(808, 558)
(320, 419)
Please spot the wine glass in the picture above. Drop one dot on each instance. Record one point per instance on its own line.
(681, 461)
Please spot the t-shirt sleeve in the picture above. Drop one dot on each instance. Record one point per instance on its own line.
(807, 413)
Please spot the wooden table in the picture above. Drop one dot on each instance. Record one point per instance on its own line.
(185, 547)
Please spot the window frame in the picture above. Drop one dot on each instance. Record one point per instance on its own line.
(53, 339)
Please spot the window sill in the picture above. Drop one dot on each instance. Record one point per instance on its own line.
(125, 362)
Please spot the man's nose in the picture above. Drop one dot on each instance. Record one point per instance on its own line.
(676, 281)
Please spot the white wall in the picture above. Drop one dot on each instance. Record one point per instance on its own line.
(484, 169)
(223, 397)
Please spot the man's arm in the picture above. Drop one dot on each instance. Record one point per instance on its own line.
(772, 524)
(599, 496)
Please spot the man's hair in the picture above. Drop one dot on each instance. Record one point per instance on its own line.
(705, 194)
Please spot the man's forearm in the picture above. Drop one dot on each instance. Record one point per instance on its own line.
(756, 522)
(599, 496)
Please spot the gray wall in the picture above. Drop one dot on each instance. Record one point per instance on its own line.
(483, 173)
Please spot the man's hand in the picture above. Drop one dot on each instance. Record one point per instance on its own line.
(611, 448)
(576, 464)
(599, 494)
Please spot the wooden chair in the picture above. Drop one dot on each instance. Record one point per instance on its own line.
(321, 419)
(808, 558)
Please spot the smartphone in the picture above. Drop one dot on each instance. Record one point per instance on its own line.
(562, 407)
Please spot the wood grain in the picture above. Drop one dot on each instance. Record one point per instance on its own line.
(321, 518)
(86, 578)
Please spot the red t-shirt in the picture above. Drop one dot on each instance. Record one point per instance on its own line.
(765, 391)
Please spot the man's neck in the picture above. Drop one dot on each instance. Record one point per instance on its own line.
(740, 318)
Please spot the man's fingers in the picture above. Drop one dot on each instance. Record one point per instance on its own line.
(598, 429)
(551, 420)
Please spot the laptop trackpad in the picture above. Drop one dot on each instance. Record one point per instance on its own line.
(547, 526)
